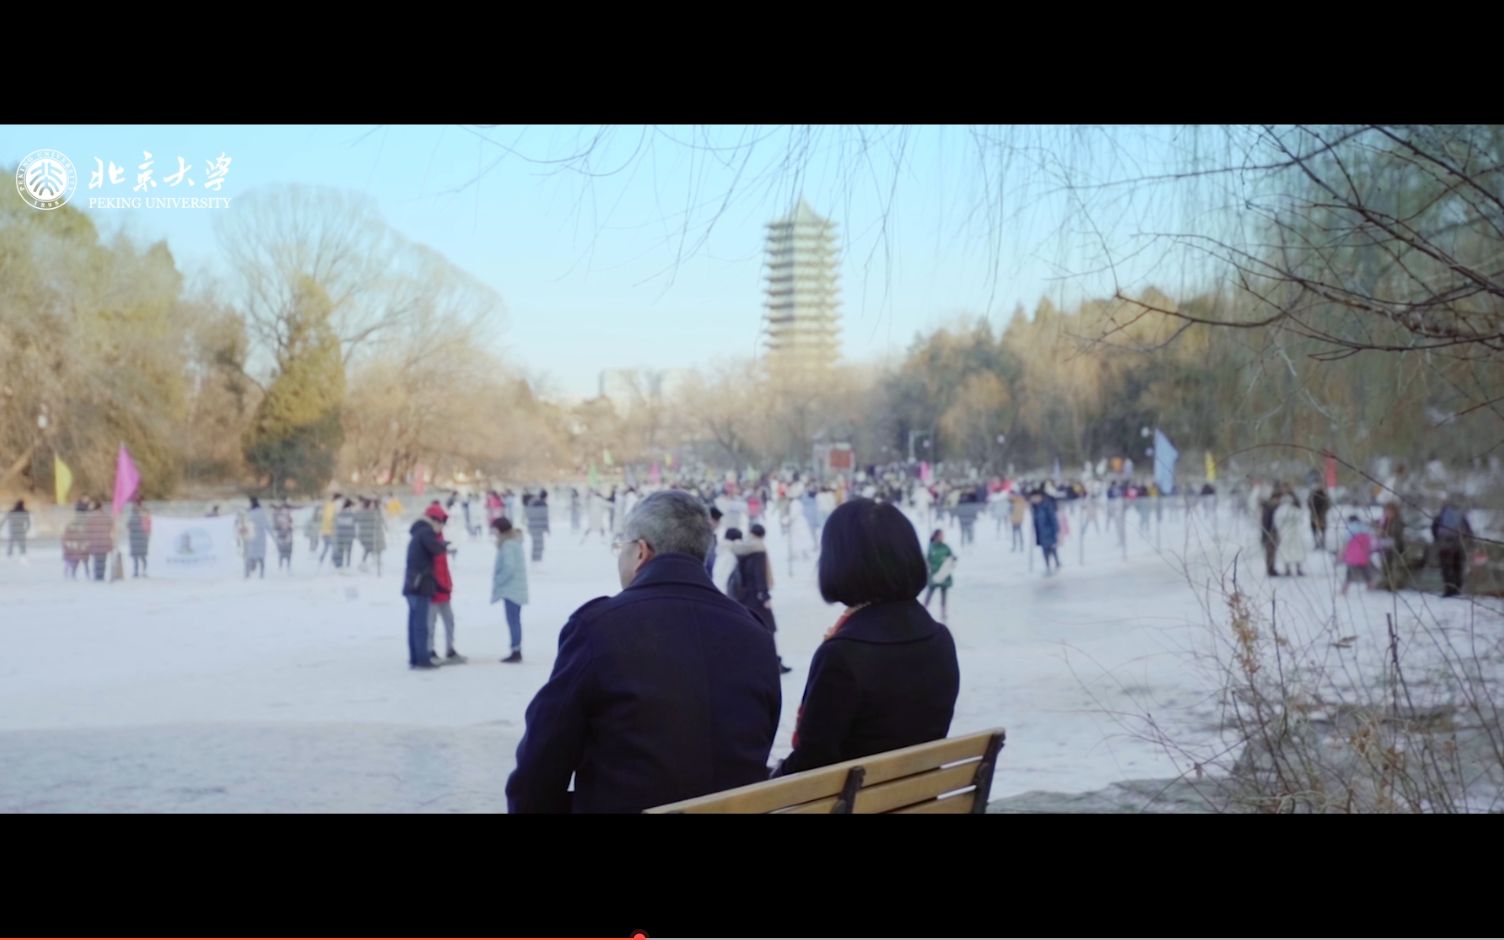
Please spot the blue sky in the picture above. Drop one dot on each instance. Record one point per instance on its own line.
(615, 269)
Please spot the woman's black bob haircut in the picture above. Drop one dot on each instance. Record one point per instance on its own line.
(869, 553)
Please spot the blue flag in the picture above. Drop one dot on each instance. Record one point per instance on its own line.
(1165, 456)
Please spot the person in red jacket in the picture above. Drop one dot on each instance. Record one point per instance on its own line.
(439, 605)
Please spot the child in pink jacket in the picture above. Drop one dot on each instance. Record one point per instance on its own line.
(1356, 554)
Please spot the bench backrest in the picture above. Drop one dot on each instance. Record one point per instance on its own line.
(953, 775)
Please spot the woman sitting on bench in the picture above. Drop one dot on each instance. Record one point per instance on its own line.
(886, 676)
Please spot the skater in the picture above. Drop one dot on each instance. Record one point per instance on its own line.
(1393, 569)
(1291, 550)
(997, 507)
(18, 521)
(574, 509)
(76, 546)
(509, 582)
(1356, 554)
(344, 535)
(311, 530)
(438, 605)
(715, 525)
(1268, 533)
(1047, 527)
(370, 530)
(1448, 529)
(1019, 511)
(967, 510)
(751, 580)
(326, 529)
(941, 560)
(470, 529)
(101, 535)
(378, 538)
(282, 531)
(1320, 504)
(139, 528)
(1089, 510)
(257, 525)
(537, 522)
(628, 500)
(811, 505)
(363, 519)
(418, 584)
(595, 513)
(825, 503)
(923, 502)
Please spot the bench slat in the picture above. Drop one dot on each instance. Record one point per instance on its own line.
(951, 805)
(887, 797)
(818, 806)
(912, 760)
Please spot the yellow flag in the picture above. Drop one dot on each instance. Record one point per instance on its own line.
(1211, 468)
(63, 477)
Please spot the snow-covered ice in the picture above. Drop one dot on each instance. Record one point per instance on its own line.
(292, 693)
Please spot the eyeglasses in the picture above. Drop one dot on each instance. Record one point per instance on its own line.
(621, 542)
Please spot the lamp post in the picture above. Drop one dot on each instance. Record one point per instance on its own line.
(31, 455)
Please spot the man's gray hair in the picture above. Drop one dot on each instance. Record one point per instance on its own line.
(671, 521)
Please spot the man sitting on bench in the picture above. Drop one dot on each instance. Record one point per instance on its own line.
(666, 691)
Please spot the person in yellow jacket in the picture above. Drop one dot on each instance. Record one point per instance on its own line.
(326, 526)
(1020, 511)
(393, 507)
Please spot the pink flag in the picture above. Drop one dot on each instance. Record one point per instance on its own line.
(656, 475)
(1331, 472)
(126, 480)
(924, 470)
(420, 483)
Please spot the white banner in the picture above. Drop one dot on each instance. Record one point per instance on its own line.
(194, 548)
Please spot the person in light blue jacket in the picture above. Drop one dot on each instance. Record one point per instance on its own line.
(509, 580)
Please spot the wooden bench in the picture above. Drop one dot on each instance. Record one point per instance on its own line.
(953, 775)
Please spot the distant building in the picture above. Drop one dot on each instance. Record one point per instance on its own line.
(801, 325)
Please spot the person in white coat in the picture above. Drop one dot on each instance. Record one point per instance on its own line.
(256, 526)
(1289, 522)
(629, 501)
(595, 511)
(922, 501)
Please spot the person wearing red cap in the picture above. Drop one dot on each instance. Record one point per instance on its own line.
(419, 583)
(438, 605)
